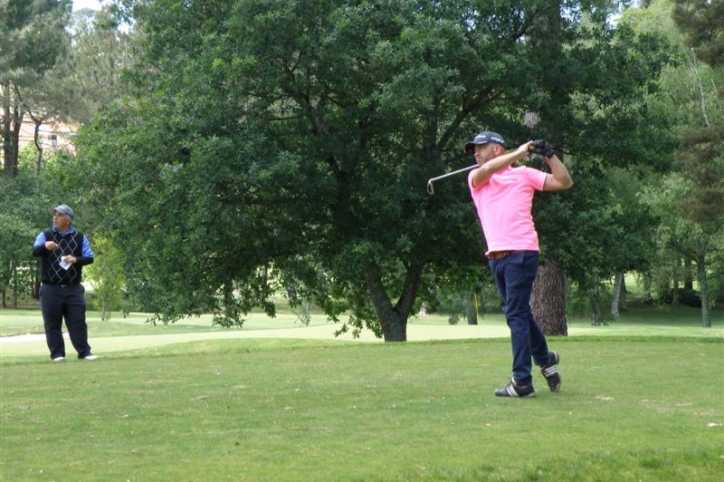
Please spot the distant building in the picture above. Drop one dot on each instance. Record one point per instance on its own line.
(53, 134)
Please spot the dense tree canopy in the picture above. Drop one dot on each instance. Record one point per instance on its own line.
(33, 37)
(286, 145)
(690, 200)
(24, 211)
(700, 21)
(89, 75)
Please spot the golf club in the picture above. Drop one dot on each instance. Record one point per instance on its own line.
(431, 189)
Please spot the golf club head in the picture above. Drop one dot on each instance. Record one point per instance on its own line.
(430, 189)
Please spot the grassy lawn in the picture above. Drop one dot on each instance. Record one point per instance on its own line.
(29, 320)
(642, 400)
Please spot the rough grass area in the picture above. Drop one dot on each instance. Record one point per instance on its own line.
(644, 408)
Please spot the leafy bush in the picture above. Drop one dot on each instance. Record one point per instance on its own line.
(687, 297)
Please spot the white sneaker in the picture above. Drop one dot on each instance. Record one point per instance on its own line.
(91, 357)
(58, 358)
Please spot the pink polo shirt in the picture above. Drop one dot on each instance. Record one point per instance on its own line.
(504, 206)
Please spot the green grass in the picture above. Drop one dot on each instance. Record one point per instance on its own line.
(642, 399)
(28, 320)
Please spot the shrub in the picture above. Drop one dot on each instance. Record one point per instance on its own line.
(687, 297)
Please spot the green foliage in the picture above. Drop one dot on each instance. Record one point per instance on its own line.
(690, 200)
(25, 210)
(686, 297)
(107, 275)
(33, 39)
(591, 106)
(21, 213)
(276, 144)
(700, 20)
(90, 74)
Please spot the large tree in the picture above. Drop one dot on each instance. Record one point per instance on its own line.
(91, 72)
(34, 37)
(24, 212)
(590, 103)
(690, 200)
(700, 21)
(277, 144)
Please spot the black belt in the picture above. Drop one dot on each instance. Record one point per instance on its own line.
(62, 285)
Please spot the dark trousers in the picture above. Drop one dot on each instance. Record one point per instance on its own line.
(514, 276)
(64, 301)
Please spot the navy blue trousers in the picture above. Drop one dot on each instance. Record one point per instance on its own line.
(514, 276)
(64, 301)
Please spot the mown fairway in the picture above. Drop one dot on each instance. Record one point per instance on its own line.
(632, 408)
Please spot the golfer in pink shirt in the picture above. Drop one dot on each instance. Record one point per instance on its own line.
(503, 196)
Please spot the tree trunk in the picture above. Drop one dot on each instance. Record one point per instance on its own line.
(675, 284)
(15, 287)
(38, 147)
(688, 276)
(393, 319)
(11, 163)
(623, 302)
(549, 299)
(6, 140)
(703, 287)
(595, 299)
(471, 308)
(615, 302)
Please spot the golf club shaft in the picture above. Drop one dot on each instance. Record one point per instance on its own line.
(431, 190)
(431, 180)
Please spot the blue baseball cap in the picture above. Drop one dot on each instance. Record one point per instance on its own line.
(484, 138)
(64, 209)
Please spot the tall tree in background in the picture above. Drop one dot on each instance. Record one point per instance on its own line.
(631, 248)
(34, 37)
(547, 39)
(277, 144)
(58, 66)
(701, 156)
(701, 22)
(22, 213)
(690, 200)
(91, 72)
(591, 83)
(85, 78)
(50, 69)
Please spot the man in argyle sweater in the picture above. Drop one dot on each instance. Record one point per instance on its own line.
(63, 252)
